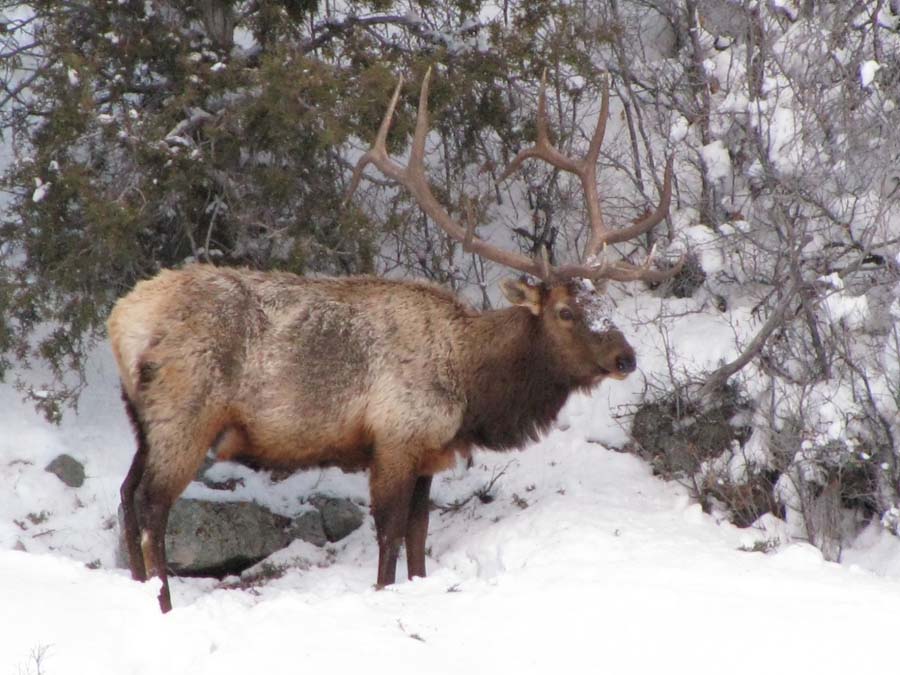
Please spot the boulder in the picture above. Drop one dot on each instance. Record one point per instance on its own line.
(210, 538)
(219, 538)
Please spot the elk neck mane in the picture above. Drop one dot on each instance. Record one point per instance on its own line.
(515, 386)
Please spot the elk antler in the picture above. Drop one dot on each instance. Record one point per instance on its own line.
(585, 169)
(414, 179)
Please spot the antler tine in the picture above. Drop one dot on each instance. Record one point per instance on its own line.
(543, 135)
(593, 153)
(545, 266)
(356, 178)
(650, 221)
(470, 223)
(599, 231)
(379, 147)
(542, 148)
(381, 138)
(623, 271)
(417, 152)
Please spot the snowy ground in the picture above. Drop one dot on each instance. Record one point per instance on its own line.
(584, 562)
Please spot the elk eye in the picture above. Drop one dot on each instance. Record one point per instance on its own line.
(566, 314)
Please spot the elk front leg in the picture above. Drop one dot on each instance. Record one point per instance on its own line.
(391, 484)
(417, 527)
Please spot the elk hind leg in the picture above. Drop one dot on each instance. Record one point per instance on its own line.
(154, 518)
(417, 527)
(127, 494)
(171, 465)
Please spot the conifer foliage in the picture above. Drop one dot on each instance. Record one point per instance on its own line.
(150, 133)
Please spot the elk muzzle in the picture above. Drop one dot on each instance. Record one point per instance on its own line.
(619, 362)
(626, 363)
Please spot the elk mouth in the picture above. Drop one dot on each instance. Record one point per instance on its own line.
(600, 374)
(624, 364)
(620, 373)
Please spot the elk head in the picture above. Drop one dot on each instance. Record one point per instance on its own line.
(577, 322)
(576, 315)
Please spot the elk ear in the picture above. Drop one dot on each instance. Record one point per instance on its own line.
(520, 292)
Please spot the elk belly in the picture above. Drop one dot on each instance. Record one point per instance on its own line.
(441, 460)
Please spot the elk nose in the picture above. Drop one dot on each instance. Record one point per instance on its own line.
(626, 363)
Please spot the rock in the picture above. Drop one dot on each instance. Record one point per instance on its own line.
(340, 516)
(221, 538)
(68, 469)
(218, 538)
(309, 527)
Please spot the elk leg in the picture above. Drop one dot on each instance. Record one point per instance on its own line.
(127, 494)
(171, 465)
(417, 527)
(392, 490)
(154, 516)
(129, 518)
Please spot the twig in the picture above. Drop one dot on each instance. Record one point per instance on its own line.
(483, 493)
(414, 636)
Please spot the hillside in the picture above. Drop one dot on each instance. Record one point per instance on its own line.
(583, 561)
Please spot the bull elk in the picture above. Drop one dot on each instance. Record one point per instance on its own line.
(397, 377)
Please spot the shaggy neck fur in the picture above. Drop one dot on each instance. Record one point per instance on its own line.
(515, 389)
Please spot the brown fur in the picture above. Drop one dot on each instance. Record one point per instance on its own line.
(361, 373)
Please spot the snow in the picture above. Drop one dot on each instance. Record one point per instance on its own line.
(704, 243)
(789, 7)
(576, 82)
(842, 306)
(716, 160)
(867, 72)
(598, 308)
(679, 129)
(40, 190)
(583, 561)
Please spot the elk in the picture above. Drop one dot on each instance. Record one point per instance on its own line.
(396, 377)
